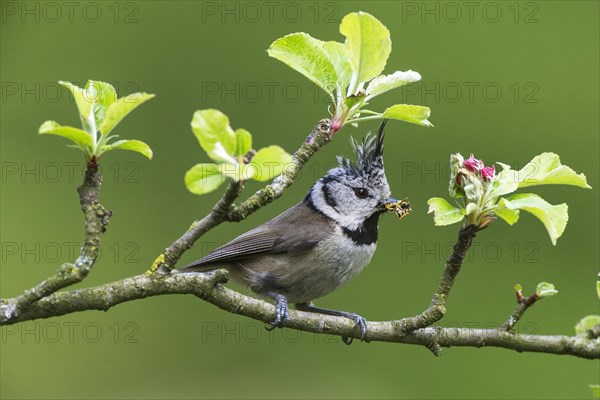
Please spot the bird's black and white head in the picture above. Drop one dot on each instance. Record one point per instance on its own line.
(354, 194)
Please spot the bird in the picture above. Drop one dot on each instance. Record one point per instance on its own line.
(319, 244)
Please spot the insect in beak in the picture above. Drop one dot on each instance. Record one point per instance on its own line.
(401, 207)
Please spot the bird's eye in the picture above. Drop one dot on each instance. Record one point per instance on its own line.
(361, 193)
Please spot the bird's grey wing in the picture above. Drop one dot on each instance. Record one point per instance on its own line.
(295, 231)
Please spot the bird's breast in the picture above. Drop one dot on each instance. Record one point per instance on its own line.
(343, 258)
(334, 261)
(308, 276)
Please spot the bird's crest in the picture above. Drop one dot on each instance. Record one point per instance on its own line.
(369, 156)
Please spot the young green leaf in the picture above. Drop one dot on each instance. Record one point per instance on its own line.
(554, 218)
(444, 212)
(243, 142)
(598, 288)
(545, 289)
(506, 182)
(133, 145)
(546, 169)
(119, 109)
(509, 215)
(85, 105)
(100, 111)
(102, 95)
(81, 138)
(595, 390)
(384, 83)
(368, 46)
(214, 134)
(336, 52)
(409, 113)
(308, 56)
(586, 323)
(204, 178)
(269, 162)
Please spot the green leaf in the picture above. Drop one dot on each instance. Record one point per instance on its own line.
(80, 137)
(545, 289)
(546, 169)
(214, 134)
(204, 178)
(133, 145)
(586, 323)
(269, 162)
(554, 218)
(506, 182)
(119, 109)
(384, 83)
(595, 390)
(368, 46)
(507, 214)
(352, 101)
(336, 52)
(102, 95)
(243, 142)
(308, 56)
(598, 288)
(405, 112)
(85, 105)
(444, 212)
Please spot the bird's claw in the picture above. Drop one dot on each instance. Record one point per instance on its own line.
(358, 321)
(281, 312)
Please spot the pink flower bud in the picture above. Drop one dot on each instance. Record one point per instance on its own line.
(488, 173)
(473, 164)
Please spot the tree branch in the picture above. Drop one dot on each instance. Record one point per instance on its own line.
(319, 137)
(173, 252)
(524, 304)
(437, 308)
(96, 220)
(208, 287)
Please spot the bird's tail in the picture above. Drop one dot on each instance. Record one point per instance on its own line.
(193, 267)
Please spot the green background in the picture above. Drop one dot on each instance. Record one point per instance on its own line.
(542, 55)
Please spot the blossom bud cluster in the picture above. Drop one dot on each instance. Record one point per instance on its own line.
(477, 166)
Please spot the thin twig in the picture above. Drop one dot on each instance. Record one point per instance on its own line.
(437, 308)
(594, 333)
(523, 305)
(96, 220)
(167, 259)
(320, 136)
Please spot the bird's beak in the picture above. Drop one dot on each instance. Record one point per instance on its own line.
(401, 207)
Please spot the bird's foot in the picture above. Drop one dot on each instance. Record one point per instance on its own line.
(359, 321)
(281, 312)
